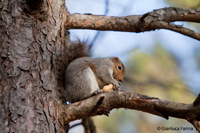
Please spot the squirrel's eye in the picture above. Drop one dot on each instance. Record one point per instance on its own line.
(119, 67)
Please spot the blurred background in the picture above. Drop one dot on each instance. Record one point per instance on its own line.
(160, 63)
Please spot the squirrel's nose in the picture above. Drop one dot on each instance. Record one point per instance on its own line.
(120, 80)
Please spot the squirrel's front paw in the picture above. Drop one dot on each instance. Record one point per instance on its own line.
(117, 86)
(98, 91)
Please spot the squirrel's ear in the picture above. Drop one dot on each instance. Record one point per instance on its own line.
(115, 59)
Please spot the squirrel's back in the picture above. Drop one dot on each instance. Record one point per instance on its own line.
(80, 81)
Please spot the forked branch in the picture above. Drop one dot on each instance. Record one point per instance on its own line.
(158, 19)
(102, 104)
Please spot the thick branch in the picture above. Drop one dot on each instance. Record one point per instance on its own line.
(158, 19)
(104, 103)
(88, 124)
(196, 124)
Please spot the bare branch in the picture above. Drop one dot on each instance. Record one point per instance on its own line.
(89, 125)
(177, 28)
(104, 103)
(196, 124)
(158, 19)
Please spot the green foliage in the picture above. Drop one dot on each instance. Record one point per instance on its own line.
(156, 74)
(194, 4)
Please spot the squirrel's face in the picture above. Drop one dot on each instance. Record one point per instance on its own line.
(119, 70)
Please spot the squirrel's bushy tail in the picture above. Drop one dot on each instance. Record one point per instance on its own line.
(78, 49)
(68, 52)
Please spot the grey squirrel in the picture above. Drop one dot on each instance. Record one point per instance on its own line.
(85, 76)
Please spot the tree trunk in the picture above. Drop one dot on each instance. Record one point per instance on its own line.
(32, 35)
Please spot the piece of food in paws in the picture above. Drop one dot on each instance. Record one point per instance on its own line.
(109, 87)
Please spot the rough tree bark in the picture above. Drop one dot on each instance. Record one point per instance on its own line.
(31, 39)
(33, 46)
